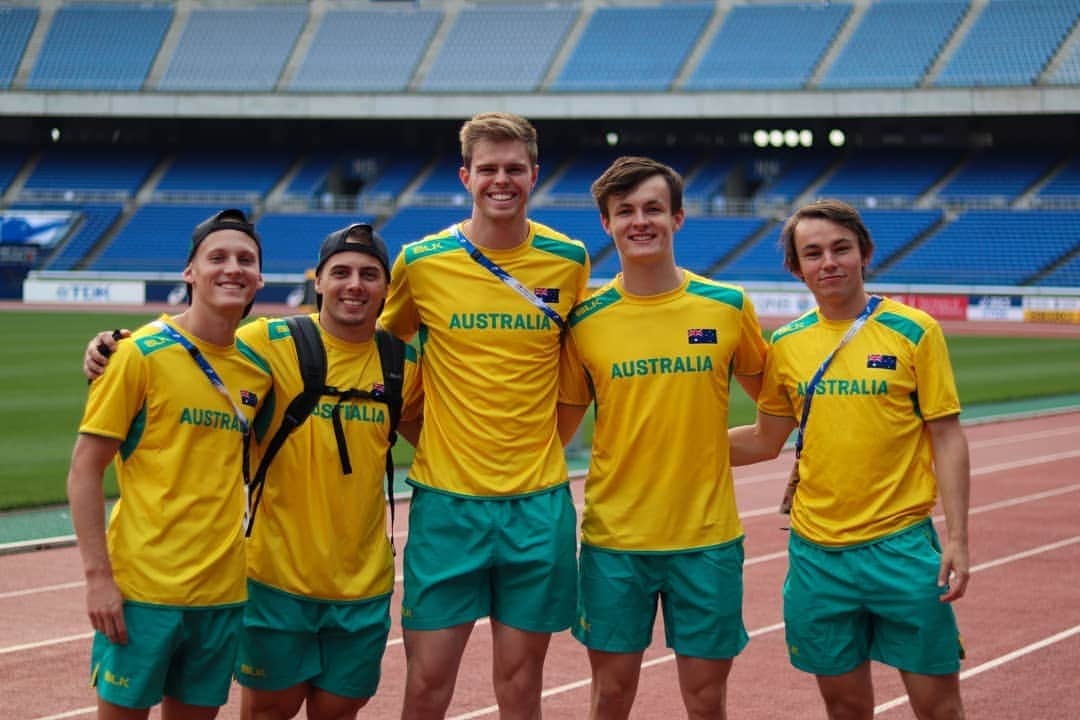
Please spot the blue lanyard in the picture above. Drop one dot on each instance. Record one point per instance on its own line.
(867, 311)
(207, 369)
(507, 278)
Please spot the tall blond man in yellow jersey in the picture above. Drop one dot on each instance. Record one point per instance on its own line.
(657, 348)
(165, 583)
(491, 521)
(869, 383)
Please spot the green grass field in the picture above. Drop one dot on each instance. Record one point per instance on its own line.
(42, 391)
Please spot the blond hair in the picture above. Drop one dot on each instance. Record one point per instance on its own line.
(497, 127)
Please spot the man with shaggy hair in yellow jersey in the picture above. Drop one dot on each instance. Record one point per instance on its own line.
(491, 522)
(881, 437)
(657, 348)
(319, 563)
(165, 584)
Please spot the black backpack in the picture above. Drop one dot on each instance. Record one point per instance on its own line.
(311, 356)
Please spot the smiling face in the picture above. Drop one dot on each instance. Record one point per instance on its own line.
(831, 262)
(499, 178)
(353, 286)
(224, 271)
(642, 223)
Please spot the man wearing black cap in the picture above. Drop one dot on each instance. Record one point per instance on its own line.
(165, 585)
(320, 568)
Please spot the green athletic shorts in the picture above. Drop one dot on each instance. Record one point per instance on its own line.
(184, 653)
(288, 639)
(878, 600)
(700, 590)
(510, 558)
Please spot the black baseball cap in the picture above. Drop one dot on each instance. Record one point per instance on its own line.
(359, 237)
(229, 219)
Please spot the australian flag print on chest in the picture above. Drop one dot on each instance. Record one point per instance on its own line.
(881, 362)
(548, 295)
(701, 336)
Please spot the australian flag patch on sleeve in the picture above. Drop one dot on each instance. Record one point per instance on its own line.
(881, 362)
(701, 336)
(548, 295)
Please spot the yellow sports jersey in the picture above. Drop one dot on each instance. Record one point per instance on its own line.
(175, 536)
(490, 360)
(660, 366)
(866, 468)
(320, 533)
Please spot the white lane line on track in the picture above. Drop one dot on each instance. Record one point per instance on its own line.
(70, 713)
(492, 709)
(44, 588)
(992, 664)
(45, 643)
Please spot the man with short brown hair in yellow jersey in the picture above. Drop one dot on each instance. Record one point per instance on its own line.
(491, 523)
(165, 584)
(868, 382)
(657, 347)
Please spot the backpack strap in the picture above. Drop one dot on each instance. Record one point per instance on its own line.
(311, 356)
(392, 359)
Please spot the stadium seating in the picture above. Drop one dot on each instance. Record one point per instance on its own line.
(227, 174)
(524, 39)
(997, 175)
(16, 25)
(11, 161)
(1063, 185)
(1065, 275)
(100, 47)
(98, 170)
(233, 49)
(366, 50)
(155, 239)
(895, 44)
(96, 219)
(579, 223)
(572, 185)
(989, 247)
(887, 176)
(291, 241)
(413, 222)
(619, 49)
(767, 47)
(1068, 73)
(1010, 43)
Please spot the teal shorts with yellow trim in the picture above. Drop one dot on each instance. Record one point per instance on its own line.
(510, 558)
(873, 601)
(183, 653)
(700, 591)
(336, 646)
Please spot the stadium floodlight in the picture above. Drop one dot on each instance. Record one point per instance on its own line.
(806, 138)
(761, 138)
(791, 138)
(776, 138)
(55, 134)
(612, 139)
(837, 137)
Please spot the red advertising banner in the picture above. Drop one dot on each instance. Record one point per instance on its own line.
(941, 307)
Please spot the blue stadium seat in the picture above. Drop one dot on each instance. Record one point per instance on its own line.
(366, 50)
(783, 176)
(16, 26)
(895, 44)
(1068, 73)
(291, 241)
(413, 222)
(156, 238)
(524, 39)
(620, 48)
(1065, 275)
(997, 174)
(579, 223)
(573, 185)
(234, 49)
(1064, 184)
(100, 47)
(118, 171)
(767, 47)
(989, 247)
(397, 171)
(762, 261)
(1010, 43)
(887, 175)
(229, 173)
(96, 218)
(11, 162)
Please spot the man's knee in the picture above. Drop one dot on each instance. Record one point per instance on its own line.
(849, 707)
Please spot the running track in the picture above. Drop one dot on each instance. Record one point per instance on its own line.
(1020, 618)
